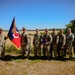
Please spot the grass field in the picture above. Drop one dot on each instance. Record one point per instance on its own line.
(13, 64)
(18, 66)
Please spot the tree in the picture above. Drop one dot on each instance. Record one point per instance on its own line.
(71, 25)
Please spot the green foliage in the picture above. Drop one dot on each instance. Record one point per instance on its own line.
(32, 50)
(71, 25)
(42, 33)
(12, 49)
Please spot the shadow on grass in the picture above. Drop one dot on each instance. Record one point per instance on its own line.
(10, 58)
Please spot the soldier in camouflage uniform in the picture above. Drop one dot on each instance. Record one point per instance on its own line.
(47, 39)
(2, 44)
(37, 42)
(61, 44)
(69, 41)
(24, 42)
(74, 43)
(54, 44)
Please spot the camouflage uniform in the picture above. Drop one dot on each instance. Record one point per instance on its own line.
(54, 44)
(69, 41)
(29, 48)
(74, 44)
(25, 43)
(47, 39)
(2, 45)
(61, 44)
(37, 44)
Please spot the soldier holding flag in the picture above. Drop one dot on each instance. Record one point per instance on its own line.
(2, 44)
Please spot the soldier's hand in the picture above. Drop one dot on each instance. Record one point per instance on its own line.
(55, 46)
(26, 44)
(66, 44)
(47, 43)
(62, 47)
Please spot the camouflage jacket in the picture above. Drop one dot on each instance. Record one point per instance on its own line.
(47, 39)
(2, 40)
(37, 39)
(24, 38)
(62, 39)
(54, 38)
(69, 39)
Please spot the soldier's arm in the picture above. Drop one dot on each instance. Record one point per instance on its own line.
(41, 39)
(33, 39)
(64, 40)
(50, 41)
(27, 38)
(5, 37)
(72, 37)
(57, 39)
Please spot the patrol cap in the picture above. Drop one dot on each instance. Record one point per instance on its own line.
(69, 29)
(46, 29)
(23, 28)
(37, 29)
(61, 29)
(1, 29)
(54, 29)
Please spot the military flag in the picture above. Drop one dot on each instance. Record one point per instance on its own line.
(14, 34)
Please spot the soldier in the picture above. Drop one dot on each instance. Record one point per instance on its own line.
(54, 44)
(47, 39)
(69, 41)
(37, 43)
(61, 44)
(74, 43)
(24, 42)
(2, 44)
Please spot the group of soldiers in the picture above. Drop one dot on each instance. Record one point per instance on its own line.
(50, 45)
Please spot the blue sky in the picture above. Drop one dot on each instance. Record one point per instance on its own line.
(34, 14)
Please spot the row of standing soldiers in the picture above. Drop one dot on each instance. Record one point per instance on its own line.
(53, 44)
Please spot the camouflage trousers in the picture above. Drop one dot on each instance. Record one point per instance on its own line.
(37, 50)
(69, 48)
(46, 50)
(74, 48)
(54, 47)
(2, 52)
(61, 50)
(25, 50)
